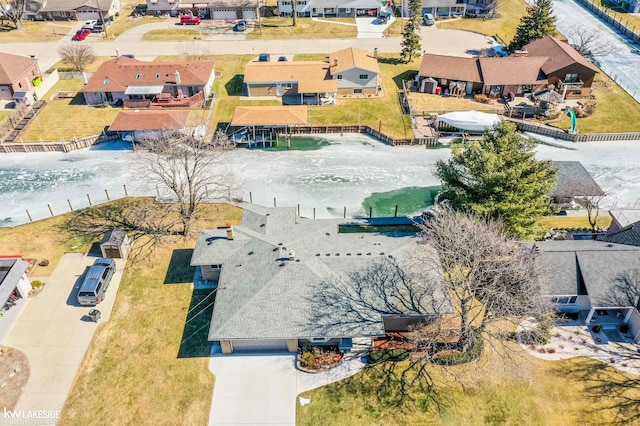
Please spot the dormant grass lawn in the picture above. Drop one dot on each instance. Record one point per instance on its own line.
(177, 35)
(44, 239)
(125, 22)
(36, 31)
(396, 27)
(494, 390)
(281, 28)
(63, 66)
(548, 222)
(510, 12)
(146, 364)
(4, 114)
(67, 118)
(427, 102)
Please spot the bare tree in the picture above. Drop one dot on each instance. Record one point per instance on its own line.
(625, 290)
(12, 11)
(189, 168)
(489, 276)
(194, 52)
(77, 55)
(588, 41)
(585, 193)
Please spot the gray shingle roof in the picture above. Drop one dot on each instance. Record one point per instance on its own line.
(629, 234)
(11, 270)
(574, 180)
(263, 295)
(598, 263)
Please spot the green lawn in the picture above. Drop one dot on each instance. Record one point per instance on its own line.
(281, 28)
(178, 35)
(149, 363)
(510, 12)
(67, 118)
(522, 390)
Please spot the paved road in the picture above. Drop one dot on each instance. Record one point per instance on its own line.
(54, 333)
(434, 40)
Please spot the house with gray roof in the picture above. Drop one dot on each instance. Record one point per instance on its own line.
(594, 279)
(574, 181)
(13, 279)
(272, 274)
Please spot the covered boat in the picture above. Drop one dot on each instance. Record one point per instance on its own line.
(471, 121)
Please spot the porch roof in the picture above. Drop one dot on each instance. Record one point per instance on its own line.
(270, 116)
(143, 90)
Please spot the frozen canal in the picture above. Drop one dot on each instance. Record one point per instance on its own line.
(353, 171)
(623, 62)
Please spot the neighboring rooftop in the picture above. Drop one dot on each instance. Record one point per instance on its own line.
(149, 120)
(270, 116)
(558, 53)
(353, 57)
(311, 76)
(512, 70)
(574, 181)
(12, 67)
(451, 67)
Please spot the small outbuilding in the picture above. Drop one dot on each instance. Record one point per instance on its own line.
(13, 279)
(115, 244)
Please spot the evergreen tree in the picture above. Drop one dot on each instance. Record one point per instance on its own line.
(537, 23)
(499, 177)
(411, 46)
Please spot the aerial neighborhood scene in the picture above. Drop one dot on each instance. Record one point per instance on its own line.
(304, 212)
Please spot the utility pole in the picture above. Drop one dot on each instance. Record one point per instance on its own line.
(104, 22)
(259, 16)
(294, 13)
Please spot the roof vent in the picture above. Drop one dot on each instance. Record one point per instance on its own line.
(609, 245)
(328, 254)
(279, 244)
(276, 249)
(292, 255)
(317, 254)
(282, 264)
(337, 254)
(359, 254)
(368, 254)
(250, 253)
(348, 254)
(328, 234)
(537, 247)
(297, 260)
(382, 254)
(230, 233)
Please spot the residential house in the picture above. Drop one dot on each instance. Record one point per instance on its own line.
(225, 10)
(272, 271)
(573, 182)
(13, 279)
(141, 84)
(328, 8)
(356, 71)
(451, 8)
(76, 10)
(494, 77)
(624, 228)
(591, 278)
(19, 75)
(350, 72)
(565, 68)
(296, 82)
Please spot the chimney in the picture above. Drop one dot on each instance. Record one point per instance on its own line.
(335, 61)
(177, 74)
(519, 53)
(230, 233)
(292, 255)
(375, 52)
(118, 52)
(84, 78)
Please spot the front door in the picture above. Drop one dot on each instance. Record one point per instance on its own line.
(279, 89)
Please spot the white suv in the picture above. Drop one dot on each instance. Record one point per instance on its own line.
(88, 25)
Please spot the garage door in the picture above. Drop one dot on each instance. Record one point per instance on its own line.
(276, 345)
(224, 14)
(248, 14)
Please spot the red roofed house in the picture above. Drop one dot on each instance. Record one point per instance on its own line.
(18, 76)
(143, 84)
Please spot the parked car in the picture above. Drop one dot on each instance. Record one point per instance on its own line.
(384, 17)
(128, 55)
(282, 59)
(81, 35)
(264, 57)
(88, 25)
(241, 25)
(96, 281)
(428, 19)
(189, 20)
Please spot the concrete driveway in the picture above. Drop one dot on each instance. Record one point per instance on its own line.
(54, 333)
(369, 28)
(262, 389)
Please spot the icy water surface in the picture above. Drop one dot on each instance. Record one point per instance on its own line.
(326, 172)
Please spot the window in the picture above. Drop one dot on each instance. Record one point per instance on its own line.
(357, 91)
(570, 78)
(137, 76)
(301, 3)
(105, 81)
(288, 85)
(105, 273)
(286, 3)
(319, 339)
(339, 76)
(218, 266)
(20, 85)
(364, 76)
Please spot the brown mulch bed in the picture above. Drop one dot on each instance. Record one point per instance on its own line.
(14, 375)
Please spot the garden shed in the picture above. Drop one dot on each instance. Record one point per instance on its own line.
(115, 244)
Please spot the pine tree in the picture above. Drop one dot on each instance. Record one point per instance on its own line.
(537, 23)
(411, 46)
(499, 177)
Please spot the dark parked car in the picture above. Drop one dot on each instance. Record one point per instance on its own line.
(282, 59)
(384, 17)
(264, 57)
(241, 25)
(81, 35)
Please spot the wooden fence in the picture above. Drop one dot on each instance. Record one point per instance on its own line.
(543, 130)
(62, 146)
(611, 20)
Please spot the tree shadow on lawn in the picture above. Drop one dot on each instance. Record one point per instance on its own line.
(194, 342)
(407, 75)
(234, 85)
(179, 271)
(606, 388)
